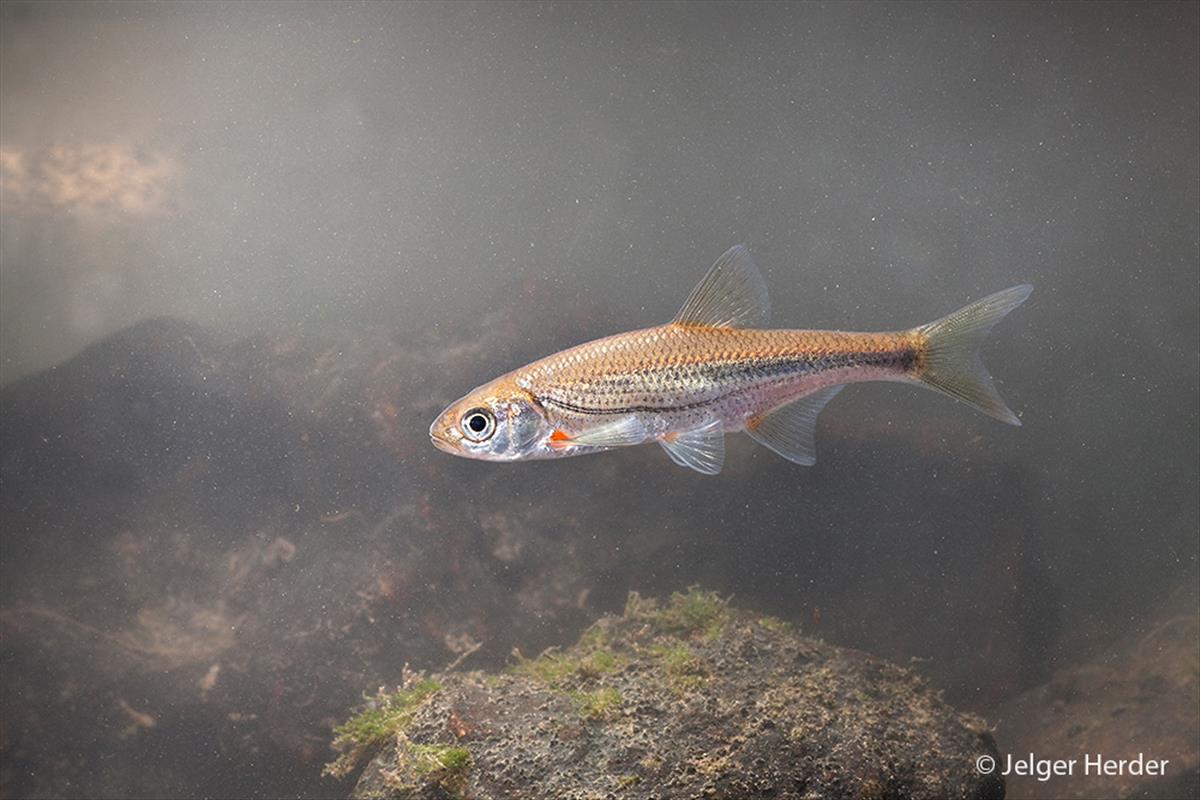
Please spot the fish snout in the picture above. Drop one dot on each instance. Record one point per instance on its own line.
(442, 434)
(443, 445)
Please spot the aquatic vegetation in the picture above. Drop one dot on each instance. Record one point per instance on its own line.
(602, 704)
(600, 662)
(429, 758)
(775, 624)
(386, 715)
(598, 636)
(691, 691)
(684, 671)
(555, 668)
(564, 672)
(445, 766)
(559, 671)
(694, 612)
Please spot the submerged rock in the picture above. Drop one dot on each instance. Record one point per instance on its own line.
(1136, 701)
(691, 698)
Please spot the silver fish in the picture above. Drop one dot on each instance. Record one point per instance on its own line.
(715, 369)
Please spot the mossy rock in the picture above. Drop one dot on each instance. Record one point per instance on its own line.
(681, 699)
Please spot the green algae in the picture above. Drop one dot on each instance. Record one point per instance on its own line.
(598, 637)
(599, 705)
(775, 624)
(555, 668)
(696, 612)
(691, 613)
(386, 715)
(444, 766)
(684, 689)
(431, 758)
(562, 672)
(684, 671)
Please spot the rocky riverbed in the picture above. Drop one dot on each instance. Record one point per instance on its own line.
(685, 698)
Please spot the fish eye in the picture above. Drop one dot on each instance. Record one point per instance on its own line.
(478, 424)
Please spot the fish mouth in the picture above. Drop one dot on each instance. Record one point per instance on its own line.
(441, 444)
(439, 436)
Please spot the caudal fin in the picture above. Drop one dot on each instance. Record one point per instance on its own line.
(950, 356)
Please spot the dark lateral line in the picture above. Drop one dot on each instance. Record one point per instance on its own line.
(627, 409)
(648, 409)
(903, 360)
(785, 362)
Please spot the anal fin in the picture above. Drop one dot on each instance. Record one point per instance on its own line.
(791, 430)
(701, 449)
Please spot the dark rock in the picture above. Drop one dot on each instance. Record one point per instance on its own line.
(1140, 696)
(650, 714)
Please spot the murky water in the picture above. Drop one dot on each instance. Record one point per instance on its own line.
(248, 251)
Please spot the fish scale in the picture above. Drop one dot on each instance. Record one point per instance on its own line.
(715, 369)
(678, 371)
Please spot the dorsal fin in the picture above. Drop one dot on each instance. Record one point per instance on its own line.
(732, 295)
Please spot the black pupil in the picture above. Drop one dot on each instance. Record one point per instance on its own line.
(477, 423)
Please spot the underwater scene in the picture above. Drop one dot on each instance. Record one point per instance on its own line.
(599, 400)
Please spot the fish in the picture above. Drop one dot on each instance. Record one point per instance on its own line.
(715, 369)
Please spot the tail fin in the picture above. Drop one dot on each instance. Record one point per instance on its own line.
(950, 356)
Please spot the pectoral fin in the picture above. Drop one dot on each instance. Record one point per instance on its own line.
(622, 431)
(791, 430)
(732, 294)
(702, 449)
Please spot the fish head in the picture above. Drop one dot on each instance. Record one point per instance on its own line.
(499, 421)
